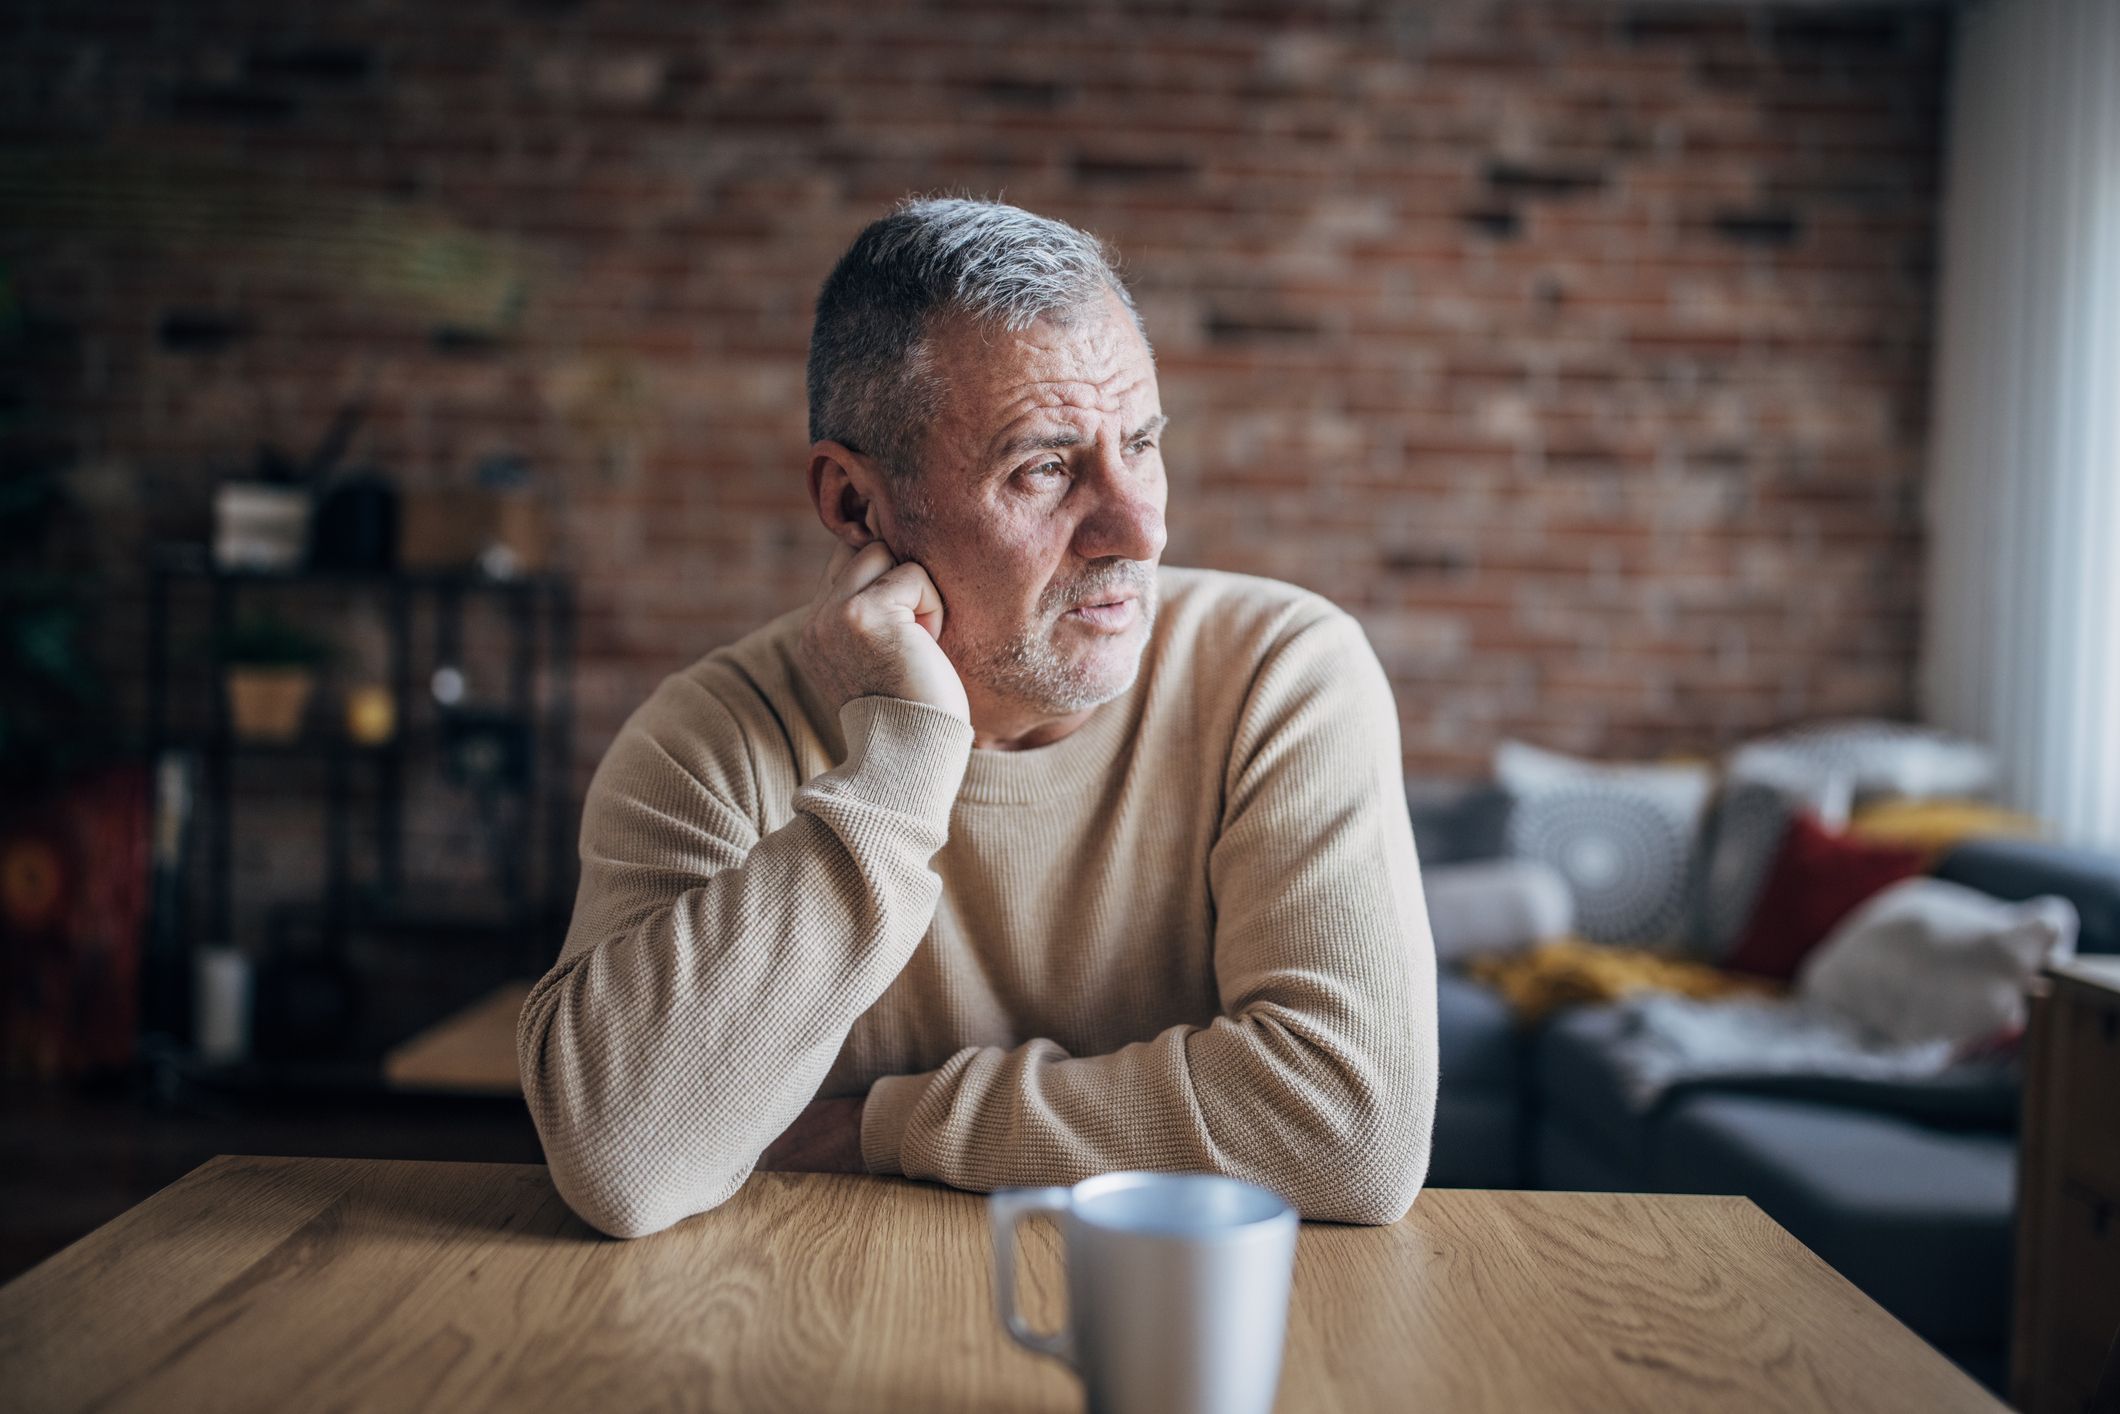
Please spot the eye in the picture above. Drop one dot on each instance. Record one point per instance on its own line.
(1057, 468)
(1144, 443)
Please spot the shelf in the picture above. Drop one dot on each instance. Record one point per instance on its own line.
(507, 762)
(193, 562)
(205, 743)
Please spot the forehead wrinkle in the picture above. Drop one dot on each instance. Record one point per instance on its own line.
(1068, 436)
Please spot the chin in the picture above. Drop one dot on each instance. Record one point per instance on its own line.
(1106, 672)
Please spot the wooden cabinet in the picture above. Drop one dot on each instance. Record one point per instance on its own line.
(2068, 1187)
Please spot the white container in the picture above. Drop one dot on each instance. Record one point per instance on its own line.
(260, 525)
(221, 1003)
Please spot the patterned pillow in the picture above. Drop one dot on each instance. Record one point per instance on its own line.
(1622, 835)
(1743, 833)
(1878, 757)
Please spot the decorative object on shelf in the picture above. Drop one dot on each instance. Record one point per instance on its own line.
(496, 527)
(371, 715)
(222, 992)
(357, 524)
(261, 524)
(357, 509)
(485, 749)
(270, 671)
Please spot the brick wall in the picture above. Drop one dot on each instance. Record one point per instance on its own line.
(1578, 348)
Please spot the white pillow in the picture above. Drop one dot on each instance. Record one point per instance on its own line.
(1877, 756)
(1929, 960)
(1494, 906)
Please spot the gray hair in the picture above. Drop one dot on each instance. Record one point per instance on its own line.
(872, 380)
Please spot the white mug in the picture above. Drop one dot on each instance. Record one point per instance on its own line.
(1177, 1289)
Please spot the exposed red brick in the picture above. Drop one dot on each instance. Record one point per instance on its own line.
(1579, 348)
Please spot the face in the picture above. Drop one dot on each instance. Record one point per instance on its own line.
(1039, 510)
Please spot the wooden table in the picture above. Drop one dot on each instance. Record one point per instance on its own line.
(469, 1053)
(272, 1284)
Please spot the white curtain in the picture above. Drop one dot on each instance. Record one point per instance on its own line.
(2021, 642)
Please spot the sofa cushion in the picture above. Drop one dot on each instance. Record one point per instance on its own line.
(1919, 1218)
(1476, 1036)
(1491, 907)
(1582, 1088)
(1476, 1140)
(1457, 821)
(1567, 1161)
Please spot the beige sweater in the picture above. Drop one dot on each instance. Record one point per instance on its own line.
(1189, 935)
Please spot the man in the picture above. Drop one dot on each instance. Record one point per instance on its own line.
(1012, 858)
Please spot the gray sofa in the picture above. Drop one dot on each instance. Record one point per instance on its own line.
(1907, 1190)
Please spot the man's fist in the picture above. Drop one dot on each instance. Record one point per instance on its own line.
(874, 630)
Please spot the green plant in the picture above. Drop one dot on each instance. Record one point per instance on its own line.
(55, 718)
(269, 641)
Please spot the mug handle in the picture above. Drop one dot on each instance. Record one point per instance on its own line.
(1004, 1210)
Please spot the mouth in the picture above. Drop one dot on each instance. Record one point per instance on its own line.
(1111, 613)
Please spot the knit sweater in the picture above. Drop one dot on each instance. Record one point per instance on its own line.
(1189, 935)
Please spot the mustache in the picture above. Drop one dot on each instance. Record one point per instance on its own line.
(1136, 575)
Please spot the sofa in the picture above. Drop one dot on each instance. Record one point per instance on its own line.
(1907, 1191)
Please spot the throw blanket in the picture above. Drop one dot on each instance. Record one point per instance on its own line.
(1676, 1024)
(1568, 971)
(1664, 1041)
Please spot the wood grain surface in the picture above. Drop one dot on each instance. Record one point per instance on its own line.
(470, 1053)
(339, 1284)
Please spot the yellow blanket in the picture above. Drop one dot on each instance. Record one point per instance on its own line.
(1569, 970)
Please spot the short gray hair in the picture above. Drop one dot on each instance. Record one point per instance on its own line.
(872, 382)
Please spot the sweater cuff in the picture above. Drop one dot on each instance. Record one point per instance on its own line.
(904, 756)
(883, 1119)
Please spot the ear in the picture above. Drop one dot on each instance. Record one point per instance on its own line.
(846, 488)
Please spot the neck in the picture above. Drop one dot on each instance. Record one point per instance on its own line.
(1003, 724)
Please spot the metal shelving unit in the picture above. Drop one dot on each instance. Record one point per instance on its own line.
(524, 927)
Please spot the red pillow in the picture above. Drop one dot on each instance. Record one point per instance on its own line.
(1818, 878)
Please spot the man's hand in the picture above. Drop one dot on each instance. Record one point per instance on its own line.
(825, 1138)
(874, 630)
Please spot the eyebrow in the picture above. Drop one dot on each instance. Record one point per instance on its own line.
(1069, 437)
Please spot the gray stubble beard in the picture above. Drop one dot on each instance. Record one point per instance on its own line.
(1030, 668)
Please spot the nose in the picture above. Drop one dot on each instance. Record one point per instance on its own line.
(1126, 519)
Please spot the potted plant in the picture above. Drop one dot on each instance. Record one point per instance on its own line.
(270, 666)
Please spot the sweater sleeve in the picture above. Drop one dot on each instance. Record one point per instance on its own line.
(710, 976)
(1318, 1080)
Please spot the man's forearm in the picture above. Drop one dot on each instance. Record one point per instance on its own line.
(661, 1062)
(1339, 1124)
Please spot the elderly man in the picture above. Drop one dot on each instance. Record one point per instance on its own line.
(1012, 858)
